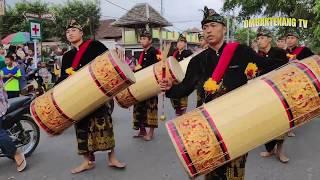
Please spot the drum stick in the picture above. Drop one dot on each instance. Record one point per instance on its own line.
(163, 117)
(164, 69)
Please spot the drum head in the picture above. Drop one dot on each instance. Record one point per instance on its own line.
(175, 68)
(121, 66)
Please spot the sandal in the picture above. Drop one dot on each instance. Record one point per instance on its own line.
(22, 165)
(140, 135)
(283, 158)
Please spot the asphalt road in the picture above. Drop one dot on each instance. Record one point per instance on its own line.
(157, 160)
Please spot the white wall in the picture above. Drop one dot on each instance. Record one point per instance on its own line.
(110, 44)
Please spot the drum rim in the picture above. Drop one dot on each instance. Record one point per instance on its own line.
(178, 74)
(177, 149)
(122, 68)
(118, 100)
(38, 120)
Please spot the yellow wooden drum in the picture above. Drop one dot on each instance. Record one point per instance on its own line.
(247, 117)
(81, 93)
(147, 82)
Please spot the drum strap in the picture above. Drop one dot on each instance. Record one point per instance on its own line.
(297, 51)
(141, 57)
(82, 50)
(224, 61)
(175, 54)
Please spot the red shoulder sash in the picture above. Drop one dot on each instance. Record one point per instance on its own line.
(224, 61)
(82, 50)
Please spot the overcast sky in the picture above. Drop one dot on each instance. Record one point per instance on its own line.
(175, 11)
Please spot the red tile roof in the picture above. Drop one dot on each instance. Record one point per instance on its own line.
(106, 31)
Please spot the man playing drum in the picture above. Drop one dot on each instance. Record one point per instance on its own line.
(264, 39)
(281, 42)
(95, 132)
(295, 52)
(145, 113)
(203, 45)
(293, 48)
(217, 70)
(202, 41)
(180, 105)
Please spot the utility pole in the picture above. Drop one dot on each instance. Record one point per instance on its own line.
(2, 7)
(91, 26)
(228, 29)
(161, 8)
(248, 37)
(233, 28)
(160, 33)
(2, 13)
(148, 17)
(92, 20)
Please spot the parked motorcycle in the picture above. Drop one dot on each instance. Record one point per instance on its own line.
(35, 84)
(21, 127)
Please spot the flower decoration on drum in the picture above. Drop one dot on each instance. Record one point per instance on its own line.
(211, 86)
(251, 70)
(70, 71)
(291, 56)
(159, 55)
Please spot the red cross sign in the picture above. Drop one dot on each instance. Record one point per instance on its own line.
(35, 30)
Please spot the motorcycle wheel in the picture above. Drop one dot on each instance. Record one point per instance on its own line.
(33, 132)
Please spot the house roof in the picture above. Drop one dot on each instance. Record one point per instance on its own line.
(193, 30)
(137, 18)
(107, 31)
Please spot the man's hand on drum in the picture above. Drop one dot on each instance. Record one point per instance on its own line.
(165, 84)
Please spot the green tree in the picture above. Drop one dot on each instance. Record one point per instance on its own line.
(87, 13)
(316, 42)
(304, 9)
(242, 35)
(289, 8)
(14, 20)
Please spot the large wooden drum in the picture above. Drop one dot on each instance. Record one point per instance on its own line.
(247, 117)
(81, 93)
(147, 82)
